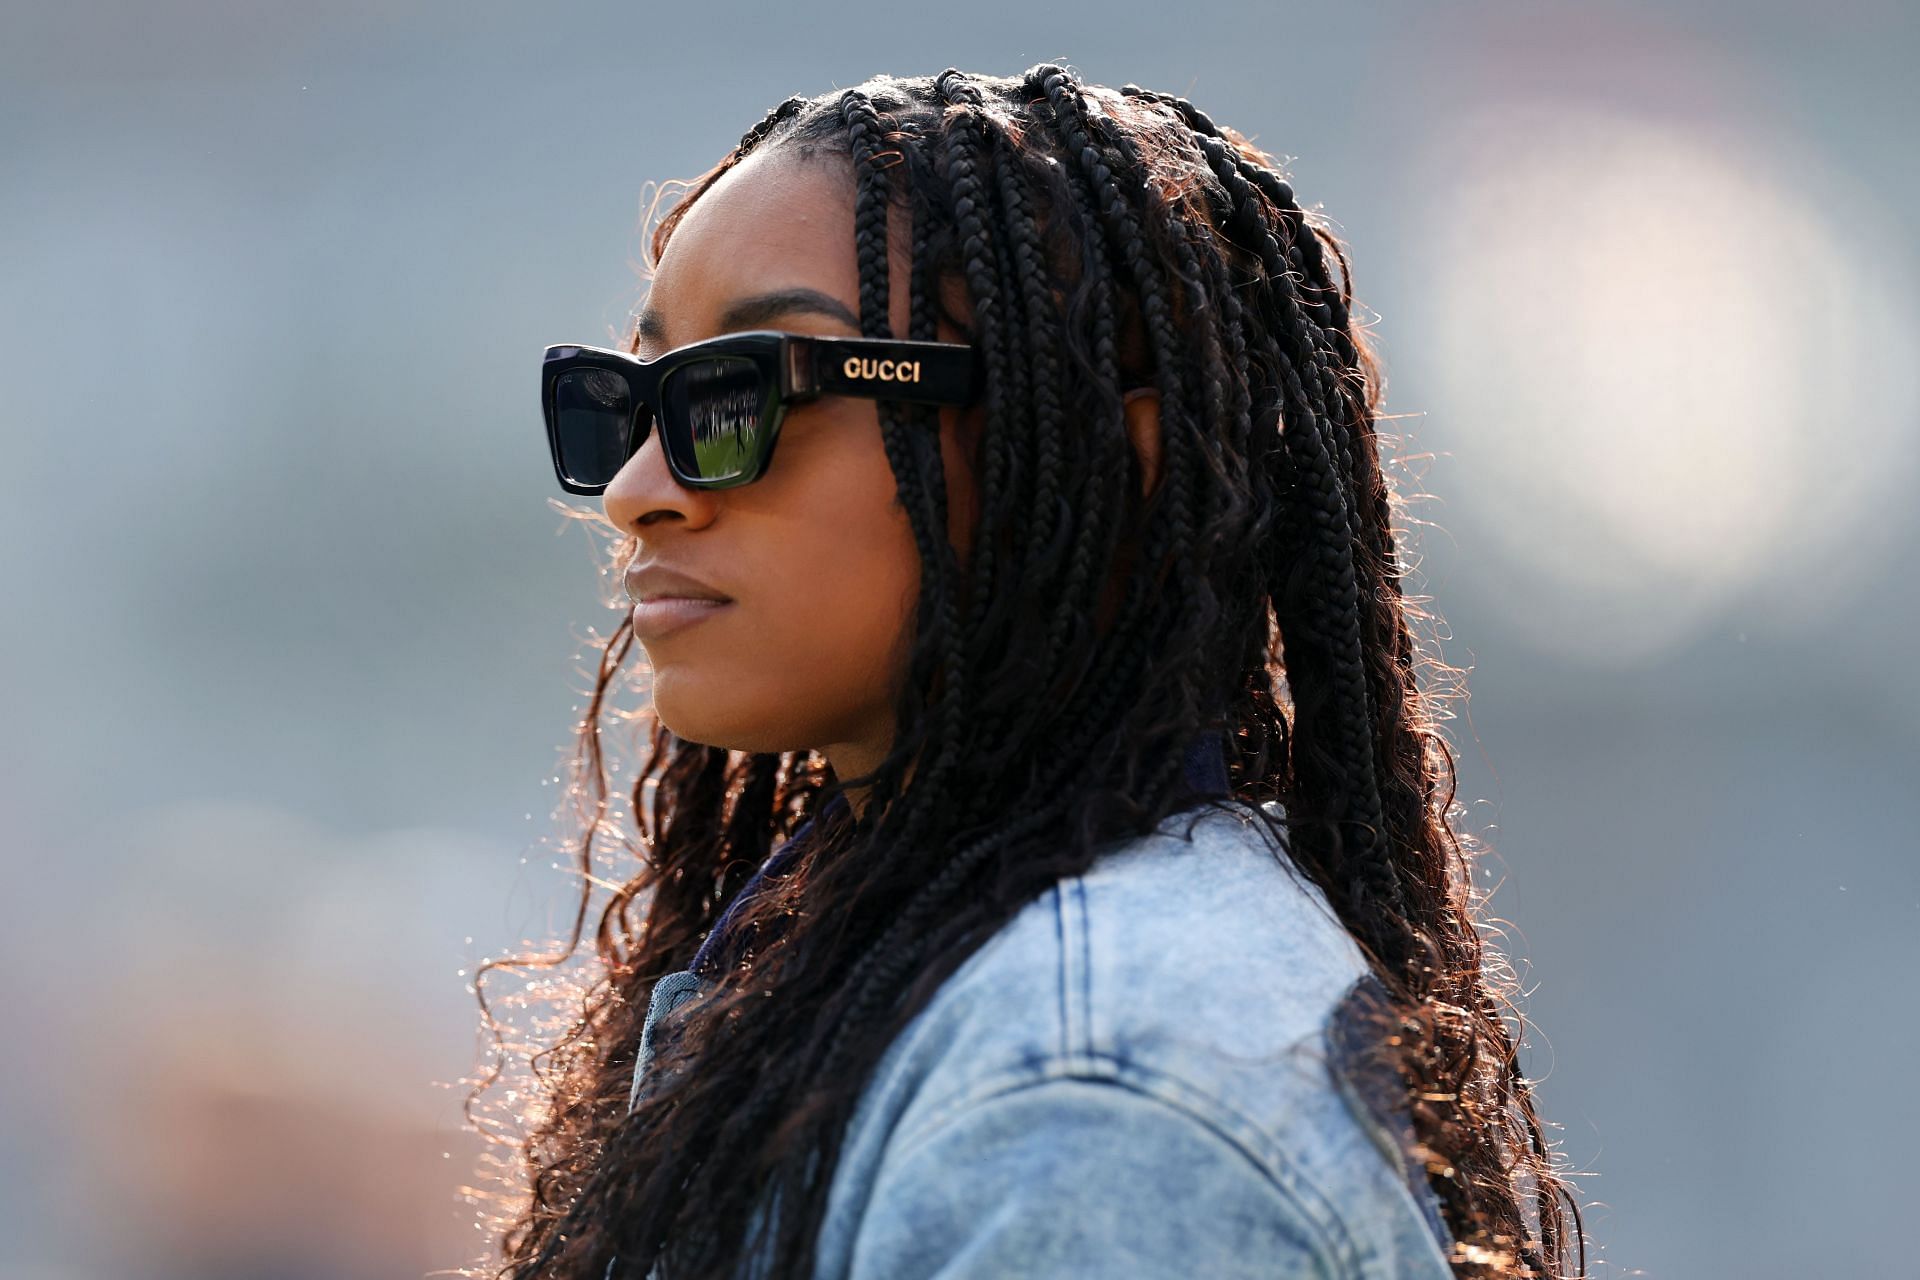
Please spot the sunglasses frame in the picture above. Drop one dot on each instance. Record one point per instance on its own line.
(795, 367)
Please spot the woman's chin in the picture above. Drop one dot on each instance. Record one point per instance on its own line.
(700, 707)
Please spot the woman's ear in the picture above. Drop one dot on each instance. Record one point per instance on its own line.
(1142, 405)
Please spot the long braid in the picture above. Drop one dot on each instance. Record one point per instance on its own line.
(1070, 630)
(906, 447)
(1076, 125)
(923, 324)
(972, 208)
(1050, 515)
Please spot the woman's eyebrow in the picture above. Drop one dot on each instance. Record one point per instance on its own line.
(755, 311)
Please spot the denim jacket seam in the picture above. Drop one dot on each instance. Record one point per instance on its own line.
(1073, 936)
(1063, 974)
(1260, 1147)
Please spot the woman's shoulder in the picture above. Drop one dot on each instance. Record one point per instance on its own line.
(1192, 970)
(1197, 940)
(1206, 923)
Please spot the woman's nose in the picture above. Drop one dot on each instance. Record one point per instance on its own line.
(644, 492)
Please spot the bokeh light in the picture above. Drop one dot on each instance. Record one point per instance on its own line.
(1670, 370)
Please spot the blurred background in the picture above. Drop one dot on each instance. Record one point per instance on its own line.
(294, 629)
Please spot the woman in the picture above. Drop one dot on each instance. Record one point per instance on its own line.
(1046, 861)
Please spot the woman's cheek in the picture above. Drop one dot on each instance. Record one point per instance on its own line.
(856, 648)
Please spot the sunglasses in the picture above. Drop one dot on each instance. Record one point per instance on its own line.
(719, 403)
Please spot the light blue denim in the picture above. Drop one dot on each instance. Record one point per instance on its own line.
(1133, 1078)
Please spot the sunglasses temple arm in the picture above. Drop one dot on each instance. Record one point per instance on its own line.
(919, 372)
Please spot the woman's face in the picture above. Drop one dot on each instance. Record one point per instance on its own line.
(816, 558)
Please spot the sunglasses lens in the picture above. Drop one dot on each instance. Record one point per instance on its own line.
(595, 424)
(720, 410)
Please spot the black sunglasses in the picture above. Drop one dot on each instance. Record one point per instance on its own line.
(719, 403)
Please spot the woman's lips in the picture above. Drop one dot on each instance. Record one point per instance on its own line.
(665, 615)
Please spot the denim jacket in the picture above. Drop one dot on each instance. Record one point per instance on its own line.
(1145, 1073)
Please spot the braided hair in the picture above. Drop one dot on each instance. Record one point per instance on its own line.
(1104, 241)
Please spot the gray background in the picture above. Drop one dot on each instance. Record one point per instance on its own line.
(292, 635)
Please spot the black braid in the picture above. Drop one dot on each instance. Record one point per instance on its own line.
(1051, 520)
(987, 191)
(972, 208)
(1075, 124)
(1100, 517)
(864, 136)
(774, 118)
(923, 323)
(1302, 259)
(920, 476)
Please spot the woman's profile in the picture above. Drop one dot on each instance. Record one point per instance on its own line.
(1044, 858)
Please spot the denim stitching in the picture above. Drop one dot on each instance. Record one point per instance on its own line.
(1086, 966)
(1059, 896)
(1259, 1146)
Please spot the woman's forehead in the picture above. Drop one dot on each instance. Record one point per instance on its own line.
(774, 219)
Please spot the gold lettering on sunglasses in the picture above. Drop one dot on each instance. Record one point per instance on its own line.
(884, 370)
